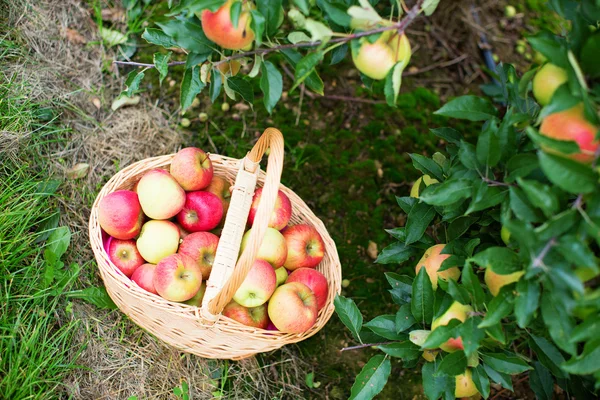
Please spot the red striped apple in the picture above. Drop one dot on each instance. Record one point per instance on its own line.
(158, 240)
(305, 247)
(201, 247)
(120, 214)
(273, 248)
(202, 212)
(198, 297)
(282, 212)
(456, 311)
(256, 317)
(495, 281)
(259, 285)
(125, 255)
(432, 261)
(192, 169)
(144, 277)
(160, 195)
(218, 27)
(315, 280)
(293, 308)
(177, 278)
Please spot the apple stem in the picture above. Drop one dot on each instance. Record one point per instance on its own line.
(362, 346)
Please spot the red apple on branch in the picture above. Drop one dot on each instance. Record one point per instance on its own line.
(218, 27)
(432, 261)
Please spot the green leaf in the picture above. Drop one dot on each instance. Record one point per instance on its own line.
(435, 385)
(446, 193)
(111, 37)
(481, 381)
(305, 67)
(540, 196)
(468, 107)
(450, 135)
(194, 6)
(349, 314)
(453, 364)
(133, 83)
(506, 364)
(502, 260)
(257, 24)
(271, 10)
(589, 56)
(406, 203)
(234, 12)
(541, 382)
(188, 34)
(587, 362)
(97, 296)
(427, 166)
(371, 379)
(569, 175)
(429, 6)
(58, 241)
(588, 329)
(545, 142)
(468, 155)
(47, 226)
(395, 253)
(558, 322)
(500, 307)
(215, 85)
(393, 81)
(520, 205)
(404, 350)
(521, 165)
(336, 11)
(313, 81)
(485, 196)
(527, 301)
(401, 287)
(502, 379)
(191, 86)
(548, 355)
(338, 54)
(459, 227)
(441, 334)
(472, 284)
(161, 62)
(487, 147)
(575, 250)
(550, 48)
(471, 335)
(303, 5)
(195, 59)
(241, 87)
(419, 218)
(458, 293)
(159, 38)
(404, 318)
(385, 326)
(422, 298)
(271, 83)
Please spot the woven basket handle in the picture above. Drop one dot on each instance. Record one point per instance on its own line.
(227, 276)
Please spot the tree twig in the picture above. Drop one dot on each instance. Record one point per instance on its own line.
(137, 64)
(539, 260)
(362, 346)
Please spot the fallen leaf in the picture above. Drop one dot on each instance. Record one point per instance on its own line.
(241, 107)
(78, 171)
(74, 36)
(124, 101)
(96, 102)
(372, 250)
(113, 14)
(110, 37)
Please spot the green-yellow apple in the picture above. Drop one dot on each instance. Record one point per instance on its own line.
(125, 255)
(505, 235)
(315, 280)
(158, 240)
(572, 125)
(259, 285)
(160, 195)
(192, 169)
(218, 27)
(305, 247)
(293, 308)
(465, 387)
(202, 211)
(197, 299)
(144, 277)
(273, 248)
(256, 317)
(432, 261)
(375, 60)
(220, 188)
(201, 247)
(120, 214)
(495, 281)
(177, 278)
(282, 275)
(546, 81)
(282, 212)
(456, 311)
(414, 191)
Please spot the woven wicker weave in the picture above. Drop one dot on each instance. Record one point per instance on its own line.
(203, 330)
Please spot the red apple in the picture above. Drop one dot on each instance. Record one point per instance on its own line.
(218, 27)
(177, 278)
(293, 308)
(198, 297)
(202, 212)
(201, 247)
(120, 214)
(192, 169)
(315, 280)
(259, 285)
(160, 195)
(125, 255)
(282, 212)
(256, 317)
(432, 261)
(158, 239)
(144, 277)
(272, 249)
(220, 188)
(305, 247)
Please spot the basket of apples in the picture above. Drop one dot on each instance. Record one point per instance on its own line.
(212, 255)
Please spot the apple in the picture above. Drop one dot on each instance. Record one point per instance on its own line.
(201, 247)
(158, 240)
(218, 27)
(259, 285)
(125, 255)
(282, 275)
(271, 327)
(546, 81)
(495, 281)
(375, 60)
(144, 277)
(202, 211)
(192, 169)
(432, 261)
(305, 247)
(198, 297)
(315, 280)
(220, 188)
(414, 191)
(456, 311)
(572, 125)
(256, 317)
(177, 278)
(505, 235)
(282, 212)
(120, 214)
(293, 308)
(465, 387)
(273, 248)
(510, 11)
(160, 195)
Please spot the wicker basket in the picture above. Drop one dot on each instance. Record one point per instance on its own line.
(203, 330)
